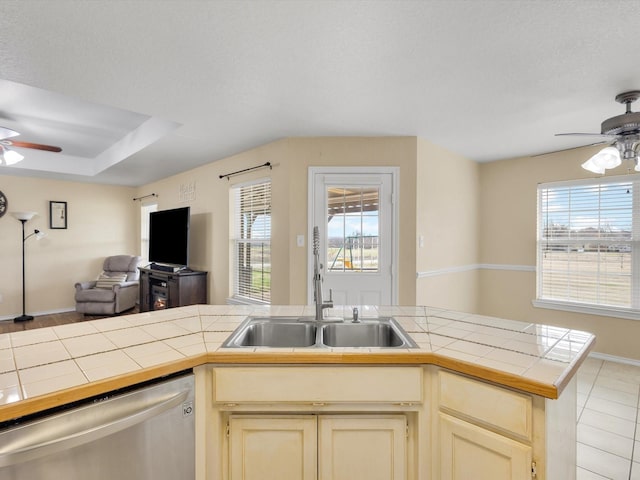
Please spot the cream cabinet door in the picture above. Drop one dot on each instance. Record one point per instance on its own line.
(471, 452)
(273, 447)
(362, 447)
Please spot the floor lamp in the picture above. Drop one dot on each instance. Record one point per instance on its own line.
(24, 217)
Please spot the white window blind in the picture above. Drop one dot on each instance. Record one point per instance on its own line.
(588, 242)
(252, 242)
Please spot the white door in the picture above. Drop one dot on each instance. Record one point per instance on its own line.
(354, 213)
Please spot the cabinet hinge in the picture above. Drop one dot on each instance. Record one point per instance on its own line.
(534, 470)
(406, 429)
(228, 429)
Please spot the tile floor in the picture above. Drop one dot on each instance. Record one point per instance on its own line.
(608, 421)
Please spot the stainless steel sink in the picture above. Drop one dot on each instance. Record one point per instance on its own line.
(373, 333)
(267, 332)
(300, 332)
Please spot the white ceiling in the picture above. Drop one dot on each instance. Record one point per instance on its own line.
(488, 79)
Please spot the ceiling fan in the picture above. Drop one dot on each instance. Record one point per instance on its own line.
(624, 133)
(8, 156)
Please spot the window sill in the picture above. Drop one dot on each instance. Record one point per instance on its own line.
(244, 301)
(625, 313)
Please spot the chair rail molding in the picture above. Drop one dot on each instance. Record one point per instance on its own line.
(475, 266)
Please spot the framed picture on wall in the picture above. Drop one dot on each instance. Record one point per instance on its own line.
(57, 214)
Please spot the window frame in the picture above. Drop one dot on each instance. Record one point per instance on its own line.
(145, 211)
(235, 197)
(633, 311)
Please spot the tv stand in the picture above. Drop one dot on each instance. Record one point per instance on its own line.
(160, 289)
(166, 268)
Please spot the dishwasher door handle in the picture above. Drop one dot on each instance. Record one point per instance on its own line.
(36, 448)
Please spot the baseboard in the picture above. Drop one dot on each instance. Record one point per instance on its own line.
(614, 358)
(37, 314)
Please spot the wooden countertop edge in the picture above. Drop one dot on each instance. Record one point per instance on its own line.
(569, 373)
(99, 387)
(480, 372)
(41, 403)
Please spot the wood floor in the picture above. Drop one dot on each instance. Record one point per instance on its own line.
(7, 326)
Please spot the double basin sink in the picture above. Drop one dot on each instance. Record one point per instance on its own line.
(304, 332)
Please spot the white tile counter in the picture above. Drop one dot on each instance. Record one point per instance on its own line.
(51, 366)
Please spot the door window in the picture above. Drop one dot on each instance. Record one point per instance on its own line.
(353, 226)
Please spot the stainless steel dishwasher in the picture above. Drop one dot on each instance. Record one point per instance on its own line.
(147, 433)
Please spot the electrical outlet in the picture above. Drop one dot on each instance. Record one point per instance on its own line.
(300, 240)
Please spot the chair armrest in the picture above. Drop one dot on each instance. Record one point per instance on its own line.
(120, 285)
(85, 285)
(126, 295)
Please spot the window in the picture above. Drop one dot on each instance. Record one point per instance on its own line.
(588, 243)
(251, 227)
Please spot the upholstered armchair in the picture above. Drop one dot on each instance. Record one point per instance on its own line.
(115, 290)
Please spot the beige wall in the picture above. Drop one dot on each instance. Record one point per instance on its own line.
(100, 223)
(447, 218)
(210, 240)
(291, 159)
(358, 152)
(508, 238)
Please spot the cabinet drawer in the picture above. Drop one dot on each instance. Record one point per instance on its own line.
(317, 384)
(490, 405)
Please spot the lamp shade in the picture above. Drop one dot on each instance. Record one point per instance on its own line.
(24, 216)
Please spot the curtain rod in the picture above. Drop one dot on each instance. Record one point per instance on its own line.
(146, 196)
(228, 175)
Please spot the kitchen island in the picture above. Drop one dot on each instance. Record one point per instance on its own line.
(474, 381)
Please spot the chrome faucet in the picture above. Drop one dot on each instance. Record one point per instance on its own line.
(317, 278)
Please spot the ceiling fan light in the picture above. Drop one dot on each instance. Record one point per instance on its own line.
(592, 167)
(9, 157)
(608, 157)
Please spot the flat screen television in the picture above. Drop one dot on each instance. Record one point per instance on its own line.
(169, 237)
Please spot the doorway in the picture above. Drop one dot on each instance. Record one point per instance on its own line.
(355, 212)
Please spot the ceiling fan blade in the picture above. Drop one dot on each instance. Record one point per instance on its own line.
(7, 133)
(37, 146)
(585, 134)
(570, 148)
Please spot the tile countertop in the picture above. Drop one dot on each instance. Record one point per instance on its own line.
(48, 367)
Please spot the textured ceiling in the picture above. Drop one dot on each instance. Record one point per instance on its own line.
(487, 79)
